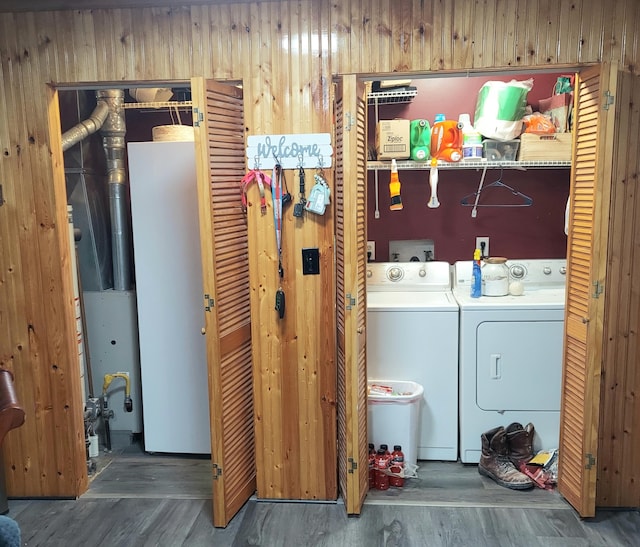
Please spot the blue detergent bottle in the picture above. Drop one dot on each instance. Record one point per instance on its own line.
(476, 276)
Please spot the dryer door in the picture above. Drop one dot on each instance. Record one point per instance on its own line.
(519, 365)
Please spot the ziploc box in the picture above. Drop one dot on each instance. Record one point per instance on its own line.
(392, 139)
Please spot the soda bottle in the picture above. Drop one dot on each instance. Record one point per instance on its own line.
(396, 465)
(385, 447)
(372, 466)
(382, 463)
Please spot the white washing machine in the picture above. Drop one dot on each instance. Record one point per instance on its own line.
(511, 354)
(412, 334)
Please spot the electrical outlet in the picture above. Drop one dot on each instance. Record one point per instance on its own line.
(371, 250)
(479, 245)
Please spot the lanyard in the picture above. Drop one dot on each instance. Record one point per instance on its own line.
(276, 192)
(255, 175)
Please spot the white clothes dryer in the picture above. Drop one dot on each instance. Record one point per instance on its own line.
(511, 354)
(412, 334)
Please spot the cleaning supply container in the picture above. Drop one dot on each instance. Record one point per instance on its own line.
(446, 139)
(476, 282)
(471, 140)
(495, 276)
(394, 415)
(420, 140)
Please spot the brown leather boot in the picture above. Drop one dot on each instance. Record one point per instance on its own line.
(495, 462)
(520, 443)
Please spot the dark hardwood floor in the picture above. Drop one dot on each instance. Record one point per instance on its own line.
(138, 499)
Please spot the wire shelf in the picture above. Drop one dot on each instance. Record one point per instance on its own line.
(391, 96)
(156, 105)
(408, 164)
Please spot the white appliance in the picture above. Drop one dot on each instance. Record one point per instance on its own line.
(412, 334)
(511, 354)
(112, 333)
(166, 238)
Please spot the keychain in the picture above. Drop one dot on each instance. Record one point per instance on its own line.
(298, 208)
(319, 197)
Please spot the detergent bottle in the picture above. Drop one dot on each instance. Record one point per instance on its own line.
(420, 140)
(446, 139)
(471, 140)
(394, 188)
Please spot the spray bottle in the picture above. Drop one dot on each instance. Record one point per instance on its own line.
(476, 276)
(394, 188)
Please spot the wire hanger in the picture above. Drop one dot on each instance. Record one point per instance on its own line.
(526, 201)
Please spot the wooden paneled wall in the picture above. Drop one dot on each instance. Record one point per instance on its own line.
(285, 53)
(619, 431)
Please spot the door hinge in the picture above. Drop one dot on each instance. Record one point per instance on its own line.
(590, 461)
(198, 116)
(217, 471)
(353, 465)
(597, 291)
(351, 301)
(208, 302)
(349, 121)
(608, 100)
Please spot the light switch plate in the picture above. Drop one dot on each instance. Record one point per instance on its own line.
(310, 261)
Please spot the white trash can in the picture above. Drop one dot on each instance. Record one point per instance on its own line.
(394, 415)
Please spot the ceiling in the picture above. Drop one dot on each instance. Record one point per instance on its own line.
(55, 5)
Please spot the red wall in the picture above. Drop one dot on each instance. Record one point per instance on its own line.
(519, 232)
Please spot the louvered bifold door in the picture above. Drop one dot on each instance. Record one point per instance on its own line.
(220, 151)
(351, 305)
(586, 270)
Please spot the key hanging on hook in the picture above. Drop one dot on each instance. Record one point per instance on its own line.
(298, 208)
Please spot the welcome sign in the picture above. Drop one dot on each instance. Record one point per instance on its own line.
(307, 150)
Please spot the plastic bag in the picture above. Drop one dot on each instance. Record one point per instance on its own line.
(500, 109)
(558, 109)
(538, 124)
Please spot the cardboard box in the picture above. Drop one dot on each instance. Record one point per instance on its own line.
(392, 139)
(556, 147)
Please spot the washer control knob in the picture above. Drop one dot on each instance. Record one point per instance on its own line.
(563, 270)
(422, 272)
(395, 274)
(546, 270)
(517, 271)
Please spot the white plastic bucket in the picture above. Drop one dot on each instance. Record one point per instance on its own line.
(394, 418)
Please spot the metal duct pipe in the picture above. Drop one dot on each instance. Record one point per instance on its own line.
(113, 131)
(86, 127)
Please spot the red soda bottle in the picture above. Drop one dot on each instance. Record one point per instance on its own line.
(385, 447)
(372, 466)
(396, 465)
(382, 463)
